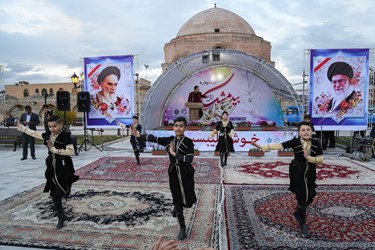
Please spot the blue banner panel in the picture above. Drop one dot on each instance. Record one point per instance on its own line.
(109, 79)
(339, 88)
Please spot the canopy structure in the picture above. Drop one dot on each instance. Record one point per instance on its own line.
(184, 68)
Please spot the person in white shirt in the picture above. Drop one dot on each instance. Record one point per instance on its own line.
(29, 120)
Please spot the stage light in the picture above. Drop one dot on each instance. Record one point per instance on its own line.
(216, 55)
(206, 57)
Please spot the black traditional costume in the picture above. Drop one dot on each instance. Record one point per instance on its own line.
(181, 173)
(138, 145)
(302, 172)
(225, 141)
(60, 170)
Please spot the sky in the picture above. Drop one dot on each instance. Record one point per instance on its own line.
(44, 41)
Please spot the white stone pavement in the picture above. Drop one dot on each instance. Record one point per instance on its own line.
(17, 176)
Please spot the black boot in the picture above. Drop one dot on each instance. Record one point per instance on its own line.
(225, 159)
(296, 215)
(59, 211)
(137, 157)
(301, 218)
(60, 223)
(304, 230)
(222, 164)
(181, 221)
(174, 212)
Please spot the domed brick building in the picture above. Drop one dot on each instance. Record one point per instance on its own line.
(216, 28)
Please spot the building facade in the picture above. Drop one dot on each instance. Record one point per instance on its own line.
(215, 28)
(19, 95)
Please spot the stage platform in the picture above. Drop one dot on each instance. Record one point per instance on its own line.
(241, 138)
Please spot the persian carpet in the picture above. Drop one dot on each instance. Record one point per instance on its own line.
(108, 215)
(260, 217)
(276, 171)
(151, 169)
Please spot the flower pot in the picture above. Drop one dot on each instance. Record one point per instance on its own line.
(243, 128)
(255, 153)
(285, 153)
(193, 127)
(269, 128)
(168, 128)
(159, 152)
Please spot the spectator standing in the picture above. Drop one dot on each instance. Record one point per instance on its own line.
(30, 121)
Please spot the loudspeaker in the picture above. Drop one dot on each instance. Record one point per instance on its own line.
(63, 100)
(83, 101)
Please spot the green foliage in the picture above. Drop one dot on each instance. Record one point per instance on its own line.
(254, 149)
(286, 150)
(68, 117)
(344, 140)
(97, 139)
(244, 124)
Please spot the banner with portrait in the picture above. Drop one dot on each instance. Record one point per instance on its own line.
(339, 88)
(109, 79)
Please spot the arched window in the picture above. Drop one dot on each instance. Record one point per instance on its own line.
(36, 92)
(51, 92)
(44, 92)
(25, 93)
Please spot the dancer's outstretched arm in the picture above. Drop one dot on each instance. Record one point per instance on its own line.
(164, 141)
(68, 151)
(267, 147)
(33, 133)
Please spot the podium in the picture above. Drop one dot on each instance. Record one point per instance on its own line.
(193, 110)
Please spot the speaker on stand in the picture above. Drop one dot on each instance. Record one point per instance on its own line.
(63, 100)
(84, 105)
(63, 103)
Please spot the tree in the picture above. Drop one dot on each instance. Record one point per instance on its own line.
(67, 117)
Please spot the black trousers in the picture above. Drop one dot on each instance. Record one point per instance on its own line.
(26, 139)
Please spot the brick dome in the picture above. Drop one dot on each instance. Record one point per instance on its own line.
(215, 20)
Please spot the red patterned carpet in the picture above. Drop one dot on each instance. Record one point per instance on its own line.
(107, 215)
(152, 169)
(276, 171)
(260, 217)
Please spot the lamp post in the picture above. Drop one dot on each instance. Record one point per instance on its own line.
(137, 82)
(45, 98)
(303, 92)
(76, 80)
(146, 67)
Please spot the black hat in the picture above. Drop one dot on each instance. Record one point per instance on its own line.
(135, 117)
(339, 68)
(110, 70)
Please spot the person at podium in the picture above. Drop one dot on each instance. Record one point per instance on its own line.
(196, 96)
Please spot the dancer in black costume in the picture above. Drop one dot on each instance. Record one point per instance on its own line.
(137, 145)
(302, 169)
(181, 173)
(225, 141)
(60, 170)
